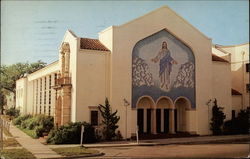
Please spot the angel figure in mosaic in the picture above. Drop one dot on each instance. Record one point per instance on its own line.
(166, 62)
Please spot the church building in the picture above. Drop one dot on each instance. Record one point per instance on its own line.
(158, 71)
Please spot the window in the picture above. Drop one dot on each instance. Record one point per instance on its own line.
(50, 82)
(94, 117)
(247, 67)
(55, 78)
(36, 96)
(49, 110)
(248, 88)
(40, 110)
(49, 95)
(233, 114)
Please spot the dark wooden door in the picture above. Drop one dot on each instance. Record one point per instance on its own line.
(149, 121)
(158, 120)
(166, 120)
(175, 120)
(140, 120)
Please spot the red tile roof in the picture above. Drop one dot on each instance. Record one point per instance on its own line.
(235, 92)
(217, 58)
(92, 44)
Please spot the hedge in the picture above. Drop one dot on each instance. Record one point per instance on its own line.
(40, 124)
(71, 134)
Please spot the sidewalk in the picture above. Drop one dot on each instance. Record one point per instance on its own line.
(33, 145)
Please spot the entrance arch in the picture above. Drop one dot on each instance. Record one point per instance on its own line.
(182, 105)
(164, 105)
(145, 116)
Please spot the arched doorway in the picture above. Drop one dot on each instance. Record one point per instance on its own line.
(145, 115)
(182, 105)
(163, 115)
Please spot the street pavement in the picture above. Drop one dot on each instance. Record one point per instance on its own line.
(178, 151)
(167, 148)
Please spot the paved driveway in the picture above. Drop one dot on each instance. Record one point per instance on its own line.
(178, 151)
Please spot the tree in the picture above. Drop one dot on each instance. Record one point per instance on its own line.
(9, 75)
(109, 121)
(217, 119)
(2, 102)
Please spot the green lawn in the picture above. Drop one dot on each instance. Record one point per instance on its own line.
(31, 133)
(17, 154)
(74, 151)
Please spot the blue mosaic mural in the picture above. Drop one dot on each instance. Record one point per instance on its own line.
(162, 65)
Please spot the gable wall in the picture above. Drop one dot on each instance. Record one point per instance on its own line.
(124, 39)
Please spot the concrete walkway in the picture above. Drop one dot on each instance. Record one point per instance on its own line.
(33, 145)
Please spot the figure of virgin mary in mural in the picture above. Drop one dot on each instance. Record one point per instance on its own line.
(166, 62)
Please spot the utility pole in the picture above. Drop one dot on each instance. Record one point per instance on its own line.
(126, 104)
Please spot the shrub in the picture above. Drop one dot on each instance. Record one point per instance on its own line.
(39, 123)
(39, 130)
(71, 134)
(230, 127)
(89, 135)
(31, 123)
(47, 122)
(238, 125)
(13, 112)
(20, 119)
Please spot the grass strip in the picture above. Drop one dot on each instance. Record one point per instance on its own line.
(74, 151)
(31, 133)
(17, 154)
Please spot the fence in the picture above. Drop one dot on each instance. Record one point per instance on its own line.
(4, 124)
(1, 134)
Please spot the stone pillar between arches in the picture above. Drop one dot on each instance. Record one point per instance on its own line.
(153, 123)
(171, 122)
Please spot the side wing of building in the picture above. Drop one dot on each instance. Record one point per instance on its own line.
(34, 93)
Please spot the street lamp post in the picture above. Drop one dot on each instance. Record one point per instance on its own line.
(126, 104)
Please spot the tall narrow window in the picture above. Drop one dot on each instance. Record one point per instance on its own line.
(94, 118)
(248, 87)
(55, 78)
(36, 96)
(40, 111)
(247, 67)
(49, 95)
(45, 93)
(233, 114)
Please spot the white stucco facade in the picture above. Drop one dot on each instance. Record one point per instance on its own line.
(100, 68)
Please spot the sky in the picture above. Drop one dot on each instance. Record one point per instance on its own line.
(33, 30)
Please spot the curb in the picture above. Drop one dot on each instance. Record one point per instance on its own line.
(170, 143)
(201, 142)
(120, 145)
(82, 156)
